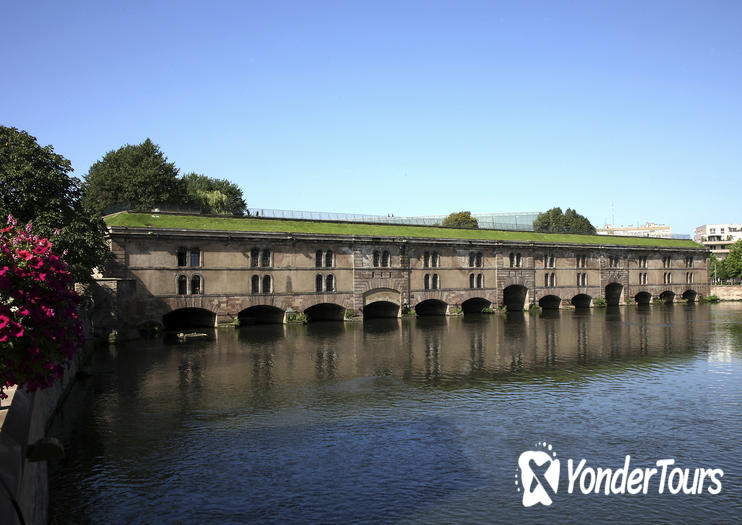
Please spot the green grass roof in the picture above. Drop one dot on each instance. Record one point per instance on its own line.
(251, 224)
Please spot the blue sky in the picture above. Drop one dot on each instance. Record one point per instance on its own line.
(400, 107)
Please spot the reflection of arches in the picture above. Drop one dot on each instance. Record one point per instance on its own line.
(667, 296)
(189, 318)
(514, 296)
(260, 314)
(475, 305)
(325, 312)
(581, 300)
(690, 296)
(613, 294)
(550, 302)
(643, 298)
(431, 307)
(380, 309)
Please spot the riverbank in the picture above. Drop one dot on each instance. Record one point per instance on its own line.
(727, 293)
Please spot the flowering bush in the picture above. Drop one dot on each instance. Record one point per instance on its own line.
(39, 327)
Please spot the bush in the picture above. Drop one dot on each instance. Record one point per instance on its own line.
(39, 327)
(709, 299)
(599, 302)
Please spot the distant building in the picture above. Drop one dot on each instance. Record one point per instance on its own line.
(650, 229)
(718, 237)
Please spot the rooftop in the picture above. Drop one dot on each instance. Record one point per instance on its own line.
(254, 224)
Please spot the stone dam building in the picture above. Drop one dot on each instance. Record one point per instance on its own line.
(194, 271)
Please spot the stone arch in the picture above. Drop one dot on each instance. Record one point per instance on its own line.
(690, 296)
(325, 312)
(475, 305)
(514, 297)
(431, 307)
(668, 296)
(260, 314)
(582, 300)
(643, 298)
(189, 318)
(550, 302)
(381, 302)
(613, 293)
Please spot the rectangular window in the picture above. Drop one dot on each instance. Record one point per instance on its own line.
(195, 257)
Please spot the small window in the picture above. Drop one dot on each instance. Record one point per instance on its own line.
(478, 261)
(267, 284)
(517, 260)
(318, 259)
(472, 258)
(265, 258)
(195, 285)
(254, 258)
(385, 259)
(426, 260)
(182, 257)
(512, 260)
(328, 259)
(552, 281)
(436, 260)
(436, 281)
(255, 284)
(318, 283)
(376, 259)
(546, 280)
(471, 280)
(195, 257)
(426, 281)
(182, 285)
(330, 282)
(480, 281)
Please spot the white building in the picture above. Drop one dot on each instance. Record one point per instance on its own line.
(648, 230)
(718, 237)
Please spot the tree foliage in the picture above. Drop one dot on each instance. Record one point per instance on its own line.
(35, 186)
(135, 176)
(733, 261)
(214, 196)
(554, 221)
(461, 219)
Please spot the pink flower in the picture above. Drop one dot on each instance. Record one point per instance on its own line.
(24, 254)
(4, 319)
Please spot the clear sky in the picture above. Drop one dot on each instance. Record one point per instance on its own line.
(400, 107)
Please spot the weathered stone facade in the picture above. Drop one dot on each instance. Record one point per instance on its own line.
(231, 274)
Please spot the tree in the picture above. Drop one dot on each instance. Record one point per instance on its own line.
(35, 186)
(717, 268)
(214, 196)
(462, 219)
(554, 221)
(733, 261)
(136, 176)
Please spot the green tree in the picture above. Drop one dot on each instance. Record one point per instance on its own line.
(717, 268)
(733, 261)
(555, 221)
(462, 219)
(214, 196)
(136, 176)
(35, 186)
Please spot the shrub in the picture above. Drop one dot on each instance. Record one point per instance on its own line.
(39, 327)
(599, 302)
(709, 299)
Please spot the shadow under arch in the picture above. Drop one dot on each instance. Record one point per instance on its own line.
(380, 310)
(475, 305)
(581, 300)
(514, 297)
(260, 314)
(643, 298)
(550, 302)
(189, 318)
(667, 296)
(613, 294)
(325, 312)
(690, 296)
(431, 307)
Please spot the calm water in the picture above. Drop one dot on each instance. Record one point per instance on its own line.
(414, 421)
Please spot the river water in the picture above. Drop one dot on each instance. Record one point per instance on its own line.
(412, 421)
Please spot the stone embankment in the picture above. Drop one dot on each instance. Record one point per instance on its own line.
(727, 293)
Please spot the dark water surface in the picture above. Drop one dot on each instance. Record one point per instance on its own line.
(412, 421)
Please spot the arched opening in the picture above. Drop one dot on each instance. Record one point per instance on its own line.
(267, 284)
(550, 302)
(318, 259)
(330, 283)
(265, 258)
(255, 284)
(189, 318)
(318, 283)
(325, 312)
(690, 296)
(328, 259)
(581, 301)
(380, 309)
(643, 298)
(182, 285)
(431, 307)
(514, 297)
(195, 285)
(471, 280)
(475, 305)
(613, 294)
(667, 296)
(261, 314)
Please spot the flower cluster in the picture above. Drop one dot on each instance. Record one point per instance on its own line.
(39, 327)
